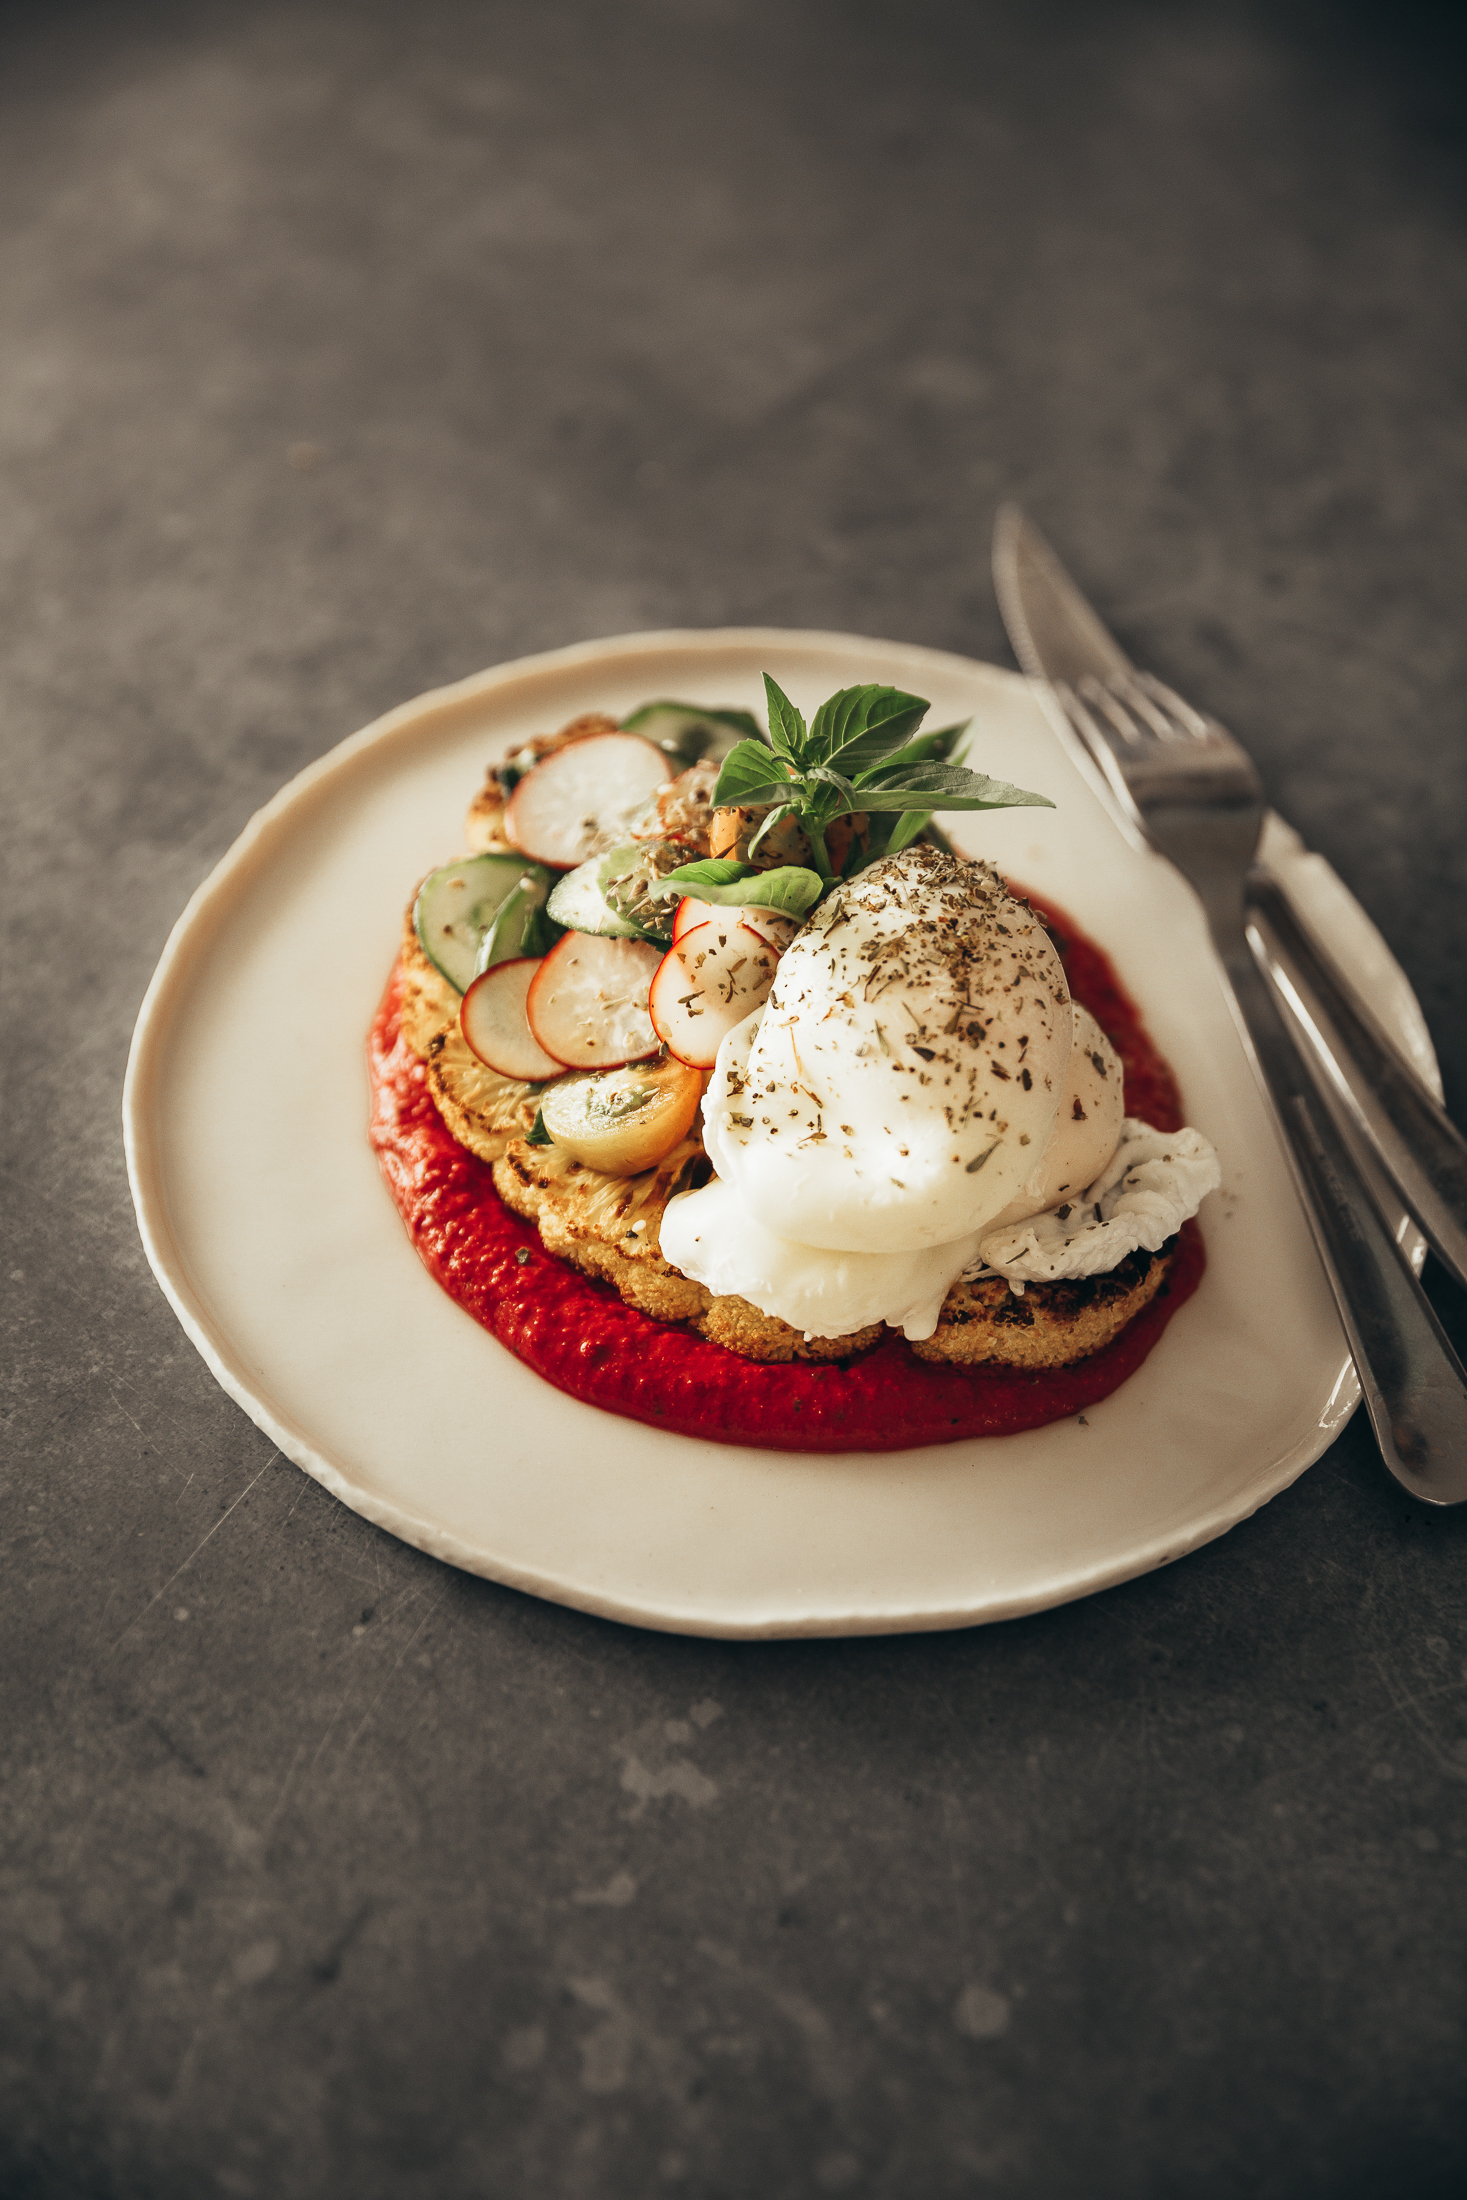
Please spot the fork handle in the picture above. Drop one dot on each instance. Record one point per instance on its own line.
(1423, 1152)
(1414, 1385)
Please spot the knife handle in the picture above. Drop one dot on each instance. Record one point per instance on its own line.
(1422, 1150)
(1415, 1387)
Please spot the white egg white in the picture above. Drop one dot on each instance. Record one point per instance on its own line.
(1087, 1125)
(712, 1237)
(904, 1078)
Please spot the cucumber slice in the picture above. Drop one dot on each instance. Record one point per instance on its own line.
(627, 877)
(457, 906)
(689, 732)
(609, 895)
(521, 926)
(577, 902)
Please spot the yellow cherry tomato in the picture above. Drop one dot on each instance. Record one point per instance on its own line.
(622, 1121)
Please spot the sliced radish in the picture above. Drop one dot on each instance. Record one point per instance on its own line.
(770, 924)
(494, 1023)
(690, 914)
(588, 1003)
(713, 978)
(562, 810)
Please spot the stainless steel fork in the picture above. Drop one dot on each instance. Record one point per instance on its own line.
(1189, 790)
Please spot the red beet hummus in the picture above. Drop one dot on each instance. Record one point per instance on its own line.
(580, 1335)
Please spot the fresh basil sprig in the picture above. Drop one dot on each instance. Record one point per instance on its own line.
(857, 755)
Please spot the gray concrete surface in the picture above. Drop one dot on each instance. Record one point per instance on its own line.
(345, 349)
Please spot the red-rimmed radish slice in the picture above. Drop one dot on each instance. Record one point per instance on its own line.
(770, 924)
(588, 1003)
(690, 914)
(494, 1023)
(713, 978)
(561, 811)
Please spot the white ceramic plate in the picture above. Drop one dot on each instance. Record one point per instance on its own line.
(271, 1232)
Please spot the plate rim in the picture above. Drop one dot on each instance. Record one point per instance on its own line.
(169, 1265)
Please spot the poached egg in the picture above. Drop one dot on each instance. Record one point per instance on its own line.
(918, 1077)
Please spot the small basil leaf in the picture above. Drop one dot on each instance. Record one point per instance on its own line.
(892, 770)
(772, 818)
(540, 934)
(748, 775)
(538, 1135)
(838, 780)
(860, 725)
(950, 787)
(702, 878)
(786, 726)
(906, 829)
(951, 742)
(791, 889)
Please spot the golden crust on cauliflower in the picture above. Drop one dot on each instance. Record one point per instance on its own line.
(1050, 1324)
(429, 1003)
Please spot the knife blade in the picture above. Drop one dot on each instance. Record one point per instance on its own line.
(1054, 632)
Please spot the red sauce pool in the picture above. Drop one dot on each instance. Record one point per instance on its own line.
(581, 1337)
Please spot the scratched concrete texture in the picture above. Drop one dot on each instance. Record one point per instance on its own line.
(346, 349)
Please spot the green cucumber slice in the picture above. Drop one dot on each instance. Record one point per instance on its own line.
(688, 732)
(521, 926)
(628, 879)
(457, 906)
(609, 895)
(577, 902)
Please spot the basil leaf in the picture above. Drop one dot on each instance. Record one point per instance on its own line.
(791, 889)
(704, 876)
(893, 770)
(790, 792)
(750, 776)
(540, 933)
(944, 747)
(838, 780)
(773, 817)
(950, 742)
(860, 725)
(950, 787)
(786, 726)
(537, 1135)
